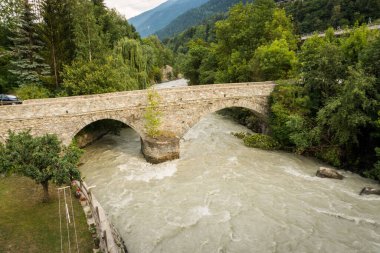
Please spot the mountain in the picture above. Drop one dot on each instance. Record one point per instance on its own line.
(153, 20)
(196, 16)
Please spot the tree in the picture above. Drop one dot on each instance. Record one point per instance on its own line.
(238, 36)
(281, 27)
(42, 159)
(88, 38)
(98, 76)
(274, 61)
(27, 63)
(134, 55)
(191, 69)
(323, 69)
(58, 35)
(347, 119)
(355, 44)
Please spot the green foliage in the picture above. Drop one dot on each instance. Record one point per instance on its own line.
(98, 76)
(289, 110)
(191, 67)
(281, 28)
(87, 32)
(318, 15)
(196, 16)
(238, 37)
(337, 124)
(323, 69)
(355, 43)
(241, 135)
(261, 141)
(347, 115)
(370, 58)
(58, 35)
(248, 45)
(153, 114)
(274, 61)
(40, 158)
(32, 91)
(27, 63)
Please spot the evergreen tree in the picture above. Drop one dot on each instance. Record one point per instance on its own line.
(58, 35)
(27, 62)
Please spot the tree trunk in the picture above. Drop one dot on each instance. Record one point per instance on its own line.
(45, 186)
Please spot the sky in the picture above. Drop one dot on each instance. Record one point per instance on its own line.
(131, 8)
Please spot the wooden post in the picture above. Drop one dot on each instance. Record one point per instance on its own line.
(97, 215)
(105, 239)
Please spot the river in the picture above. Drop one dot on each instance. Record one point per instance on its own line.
(221, 196)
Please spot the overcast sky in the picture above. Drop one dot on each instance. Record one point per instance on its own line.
(131, 8)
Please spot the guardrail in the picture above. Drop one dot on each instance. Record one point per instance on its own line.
(110, 240)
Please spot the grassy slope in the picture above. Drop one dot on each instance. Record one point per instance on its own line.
(28, 225)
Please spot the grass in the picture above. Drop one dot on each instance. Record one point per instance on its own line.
(28, 225)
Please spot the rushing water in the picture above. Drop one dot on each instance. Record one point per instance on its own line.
(224, 197)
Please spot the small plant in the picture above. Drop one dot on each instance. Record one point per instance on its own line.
(240, 135)
(153, 114)
(261, 141)
(92, 228)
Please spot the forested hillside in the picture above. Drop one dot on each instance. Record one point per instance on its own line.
(73, 47)
(151, 21)
(318, 15)
(308, 16)
(196, 16)
(329, 107)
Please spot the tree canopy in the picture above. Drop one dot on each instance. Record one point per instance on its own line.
(42, 159)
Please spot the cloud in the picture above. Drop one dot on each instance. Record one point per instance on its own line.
(131, 8)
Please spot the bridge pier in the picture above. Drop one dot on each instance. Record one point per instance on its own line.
(160, 150)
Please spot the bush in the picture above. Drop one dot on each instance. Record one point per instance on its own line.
(261, 141)
(375, 172)
(240, 135)
(32, 91)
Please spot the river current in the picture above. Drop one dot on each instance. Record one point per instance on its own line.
(221, 196)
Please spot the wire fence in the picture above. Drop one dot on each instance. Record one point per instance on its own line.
(109, 238)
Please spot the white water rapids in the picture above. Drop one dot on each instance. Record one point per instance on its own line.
(221, 196)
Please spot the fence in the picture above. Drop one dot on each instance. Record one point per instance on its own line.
(110, 240)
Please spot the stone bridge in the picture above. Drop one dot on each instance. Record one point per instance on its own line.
(182, 108)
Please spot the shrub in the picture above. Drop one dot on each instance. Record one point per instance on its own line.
(240, 135)
(261, 141)
(32, 91)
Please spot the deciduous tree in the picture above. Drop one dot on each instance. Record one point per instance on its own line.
(43, 159)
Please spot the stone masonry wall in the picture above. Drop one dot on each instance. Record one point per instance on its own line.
(182, 108)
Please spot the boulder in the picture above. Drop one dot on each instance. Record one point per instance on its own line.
(369, 190)
(329, 173)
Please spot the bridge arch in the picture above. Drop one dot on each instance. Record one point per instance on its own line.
(256, 107)
(84, 122)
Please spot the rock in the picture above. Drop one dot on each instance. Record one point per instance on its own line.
(329, 173)
(369, 190)
(160, 150)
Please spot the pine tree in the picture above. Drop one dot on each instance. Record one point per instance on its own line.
(27, 63)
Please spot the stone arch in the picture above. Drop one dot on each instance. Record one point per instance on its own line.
(104, 116)
(257, 106)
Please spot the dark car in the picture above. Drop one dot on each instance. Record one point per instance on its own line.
(9, 100)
